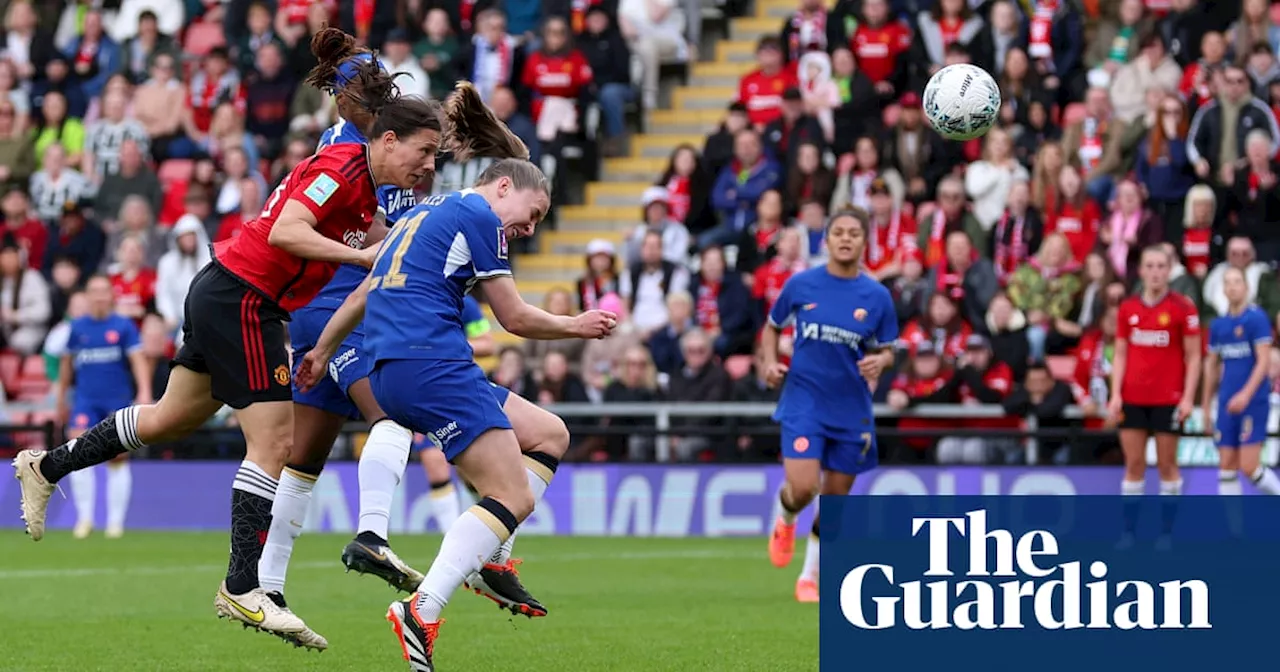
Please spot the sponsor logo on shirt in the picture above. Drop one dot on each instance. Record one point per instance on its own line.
(321, 189)
(1151, 338)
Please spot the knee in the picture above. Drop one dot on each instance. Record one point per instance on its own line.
(271, 446)
(554, 438)
(1229, 460)
(517, 500)
(802, 488)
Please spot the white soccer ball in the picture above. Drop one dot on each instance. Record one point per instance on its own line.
(961, 101)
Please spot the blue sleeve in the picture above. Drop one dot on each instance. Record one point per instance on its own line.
(129, 339)
(1215, 343)
(1259, 327)
(887, 329)
(471, 311)
(720, 198)
(784, 309)
(483, 232)
(72, 339)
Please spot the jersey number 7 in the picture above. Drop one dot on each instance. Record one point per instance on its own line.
(401, 237)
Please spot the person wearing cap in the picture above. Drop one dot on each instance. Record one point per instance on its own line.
(77, 238)
(657, 217)
(794, 127)
(601, 276)
(979, 379)
(925, 380)
(761, 89)
(397, 56)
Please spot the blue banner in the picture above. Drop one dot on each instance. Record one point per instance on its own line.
(1070, 584)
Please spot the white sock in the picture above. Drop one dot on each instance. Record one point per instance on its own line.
(119, 490)
(810, 570)
(381, 467)
(445, 506)
(1228, 482)
(788, 517)
(84, 492)
(1265, 480)
(471, 539)
(1132, 487)
(288, 515)
(1171, 487)
(539, 488)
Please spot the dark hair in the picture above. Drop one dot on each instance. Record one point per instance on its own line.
(936, 11)
(1261, 47)
(1038, 365)
(769, 42)
(857, 214)
(147, 15)
(370, 87)
(522, 173)
(671, 164)
(406, 116)
(471, 130)
(219, 52)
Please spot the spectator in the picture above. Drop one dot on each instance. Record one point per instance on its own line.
(1096, 276)
(820, 92)
(397, 57)
(301, 60)
(1008, 327)
(14, 95)
(1045, 172)
(1021, 86)
(29, 47)
(665, 342)
(926, 380)
(1130, 229)
(1164, 169)
(494, 58)
(17, 155)
(55, 128)
(435, 52)
(259, 34)
(238, 167)
(133, 283)
(557, 384)
(808, 179)
(1118, 39)
(655, 31)
(1137, 131)
(59, 78)
(188, 253)
(979, 379)
(947, 22)
(738, 187)
(950, 215)
(1018, 233)
(20, 222)
(988, 181)
(601, 355)
(647, 284)
(56, 184)
(1254, 27)
(1197, 236)
(133, 178)
(722, 306)
(609, 56)
(310, 112)
(25, 307)
(1262, 68)
(856, 173)
(370, 23)
(891, 233)
(601, 276)
(1152, 68)
(806, 31)
(634, 381)
(757, 244)
(505, 107)
(227, 135)
(813, 223)
(140, 52)
(1216, 139)
(919, 155)
(657, 217)
(858, 112)
(718, 151)
(1263, 288)
(774, 273)
(688, 186)
(76, 238)
(881, 44)
(756, 446)
(559, 78)
(512, 374)
(230, 225)
(966, 277)
(1075, 216)
(106, 137)
(784, 135)
(268, 96)
(1003, 33)
(1038, 131)
(1093, 144)
(557, 301)
(158, 106)
(1197, 78)
(214, 84)
(137, 220)
(62, 295)
(762, 89)
(942, 326)
(1056, 46)
(1045, 399)
(1046, 290)
(700, 380)
(1255, 196)
(908, 287)
(95, 55)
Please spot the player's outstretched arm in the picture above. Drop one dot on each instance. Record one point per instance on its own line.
(528, 321)
(295, 233)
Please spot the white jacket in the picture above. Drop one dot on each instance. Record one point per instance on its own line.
(1213, 293)
(176, 270)
(988, 186)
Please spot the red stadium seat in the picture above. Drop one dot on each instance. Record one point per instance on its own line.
(10, 371)
(176, 170)
(202, 37)
(34, 367)
(1062, 367)
(738, 366)
(1275, 13)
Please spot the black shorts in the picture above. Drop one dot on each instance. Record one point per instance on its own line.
(1154, 419)
(235, 336)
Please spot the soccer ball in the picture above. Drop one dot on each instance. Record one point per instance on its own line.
(961, 101)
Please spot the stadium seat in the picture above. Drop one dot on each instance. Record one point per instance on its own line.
(176, 170)
(1275, 13)
(1074, 112)
(10, 371)
(202, 37)
(738, 366)
(1063, 367)
(34, 367)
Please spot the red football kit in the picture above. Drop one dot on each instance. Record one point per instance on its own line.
(887, 241)
(1156, 366)
(136, 291)
(878, 49)
(1080, 225)
(762, 94)
(949, 345)
(557, 76)
(336, 185)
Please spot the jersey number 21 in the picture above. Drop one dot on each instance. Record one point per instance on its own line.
(400, 238)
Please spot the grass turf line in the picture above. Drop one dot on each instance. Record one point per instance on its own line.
(145, 602)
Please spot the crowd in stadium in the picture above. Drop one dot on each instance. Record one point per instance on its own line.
(132, 133)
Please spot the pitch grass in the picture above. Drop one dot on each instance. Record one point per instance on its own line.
(145, 602)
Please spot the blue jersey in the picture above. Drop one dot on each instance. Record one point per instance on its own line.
(1233, 338)
(99, 351)
(425, 267)
(837, 321)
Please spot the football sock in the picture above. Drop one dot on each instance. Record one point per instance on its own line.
(475, 535)
(251, 498)
(119, 491)
(115, 435)
(787, 509)
(1228, 482)
(1169, 504)
(810, 570)
(84, 492)
(288, 515)
(1265, 480)
(444, 504)
(1132, 494)
(381, 467)
(540, 468)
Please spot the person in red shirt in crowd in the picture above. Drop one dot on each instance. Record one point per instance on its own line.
(557, 75)
(1154, 374)
(214, 83)
(235, 348)
(250, 204)
(979, 379)
(1197, 78)
(761, 89)
(942, 325)
(1197, 233)
(1074, 215)
(133, 284)
(891, 234)
(925, 382)
(881, 44)
(1018, 233)
(773, 274)
(20, 221)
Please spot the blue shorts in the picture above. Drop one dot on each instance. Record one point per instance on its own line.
(346, 367)
(841, 450)
(89, 412)
(449, 401)
(1242, 429)
(500, 395)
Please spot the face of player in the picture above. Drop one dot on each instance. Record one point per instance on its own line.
(1234, 286)
(100, 296)
(411, 158)
(1155, 271)
(520, 210)
(846, 239)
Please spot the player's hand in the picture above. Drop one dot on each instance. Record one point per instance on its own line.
(871, 367)
(595, 324)
(1115, 408)
(775, 373)
(1184, 411)
(366, 256)
(310, 370)
(1237, 404)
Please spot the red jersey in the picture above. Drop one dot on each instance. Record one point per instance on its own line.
(762, 94)
(888, 241)
(878, 49)
(336, 186)
(1080, 225)
(951, 345)
(1195, 96)
(1156, 366)
(1195, 249)
(205, 93)
(998, 377)
(557, 76)
(136, 292)
(918, 388)
(769, 279)
(229, 227)
(33, 236)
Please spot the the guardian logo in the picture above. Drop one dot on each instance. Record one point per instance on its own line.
(1041, 591)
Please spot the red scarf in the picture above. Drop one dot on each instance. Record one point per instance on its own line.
(87, 52)
(362, 12)
(812, 26)
(951, 282)
(950, 30)
(708, 311)
(1041, 46)
(1254, 183)
(936, 251)
(679, 197)
(593, 288)
(874, 252)
(1010, 254)
(466, 11)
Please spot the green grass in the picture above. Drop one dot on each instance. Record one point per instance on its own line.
(145, 603)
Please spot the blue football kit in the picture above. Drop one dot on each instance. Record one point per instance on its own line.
(826, 408)
(1233, 338)
(99, 351)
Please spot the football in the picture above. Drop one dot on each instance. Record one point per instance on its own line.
(961, 101)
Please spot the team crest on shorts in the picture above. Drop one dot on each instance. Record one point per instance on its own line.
(282, 375)
(860, 314)
(801, 444)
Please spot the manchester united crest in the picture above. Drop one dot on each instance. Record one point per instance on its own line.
(282, 375)
(1163, 319)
